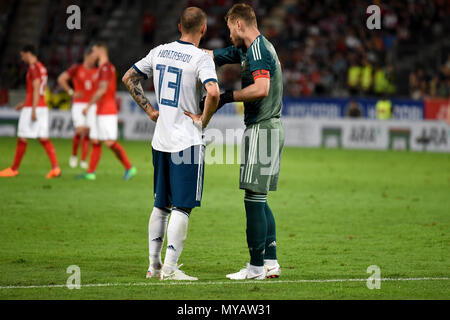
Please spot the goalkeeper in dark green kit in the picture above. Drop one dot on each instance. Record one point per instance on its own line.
(262, 91)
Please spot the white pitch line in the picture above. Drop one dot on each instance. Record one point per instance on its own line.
(206, 283)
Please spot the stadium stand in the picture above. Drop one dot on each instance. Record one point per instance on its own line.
(319, 41)
(322, 45)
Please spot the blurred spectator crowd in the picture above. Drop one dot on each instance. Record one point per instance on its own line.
(430, 84)
(324, 45)
(59, 48)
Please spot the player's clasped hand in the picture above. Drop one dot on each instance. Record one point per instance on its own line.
(196, 118)
(33, 115)
(225, 98)
(85, 111)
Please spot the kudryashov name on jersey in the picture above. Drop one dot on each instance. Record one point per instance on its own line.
(174, 55)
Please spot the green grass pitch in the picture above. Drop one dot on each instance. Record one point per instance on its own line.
(337, 212)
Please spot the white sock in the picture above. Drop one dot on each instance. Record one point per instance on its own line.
(256, 269)
(156, 232)
(176, 235)
(270, 263)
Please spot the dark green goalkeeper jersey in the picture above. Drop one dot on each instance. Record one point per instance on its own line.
(258, 60)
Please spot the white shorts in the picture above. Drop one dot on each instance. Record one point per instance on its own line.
(33, 129)
(105, 127)
(81, 120)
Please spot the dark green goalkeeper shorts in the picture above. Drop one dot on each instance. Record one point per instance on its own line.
(262, 145)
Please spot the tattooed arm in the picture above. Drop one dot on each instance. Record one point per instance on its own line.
(132, 80)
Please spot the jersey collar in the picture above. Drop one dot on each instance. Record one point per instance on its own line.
(184, 42)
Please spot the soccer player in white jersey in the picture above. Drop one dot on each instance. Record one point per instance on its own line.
(181, 73)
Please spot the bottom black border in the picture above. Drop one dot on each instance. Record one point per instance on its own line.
(226, 309)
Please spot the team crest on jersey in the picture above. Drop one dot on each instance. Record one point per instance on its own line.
(243, 65)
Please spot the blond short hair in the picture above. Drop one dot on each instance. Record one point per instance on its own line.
(242, 11)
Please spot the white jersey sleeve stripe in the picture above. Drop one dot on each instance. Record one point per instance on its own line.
(208, 80)
(145, 65)
(140, 72)
(256, 50)
(259, 49)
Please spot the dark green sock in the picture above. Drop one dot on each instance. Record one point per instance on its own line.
(271, 245)
(256, 227)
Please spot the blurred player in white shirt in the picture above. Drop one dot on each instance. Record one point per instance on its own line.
(181, 73)
(83, 77)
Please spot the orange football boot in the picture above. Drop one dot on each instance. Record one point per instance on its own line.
(54, 173)
(9, 173)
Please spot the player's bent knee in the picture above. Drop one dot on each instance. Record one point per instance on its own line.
(186, 211)
(165, 209)
(109, 143)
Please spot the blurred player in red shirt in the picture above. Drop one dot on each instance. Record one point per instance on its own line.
(33, 120)
(105, 129)
(83, 77)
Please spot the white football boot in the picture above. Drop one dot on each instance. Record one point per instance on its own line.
(177, 274)
(73, 161)
(84, 164)
(273, 272)
(246, 273)
(153, 273)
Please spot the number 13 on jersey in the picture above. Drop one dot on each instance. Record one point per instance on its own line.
(174, 85)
